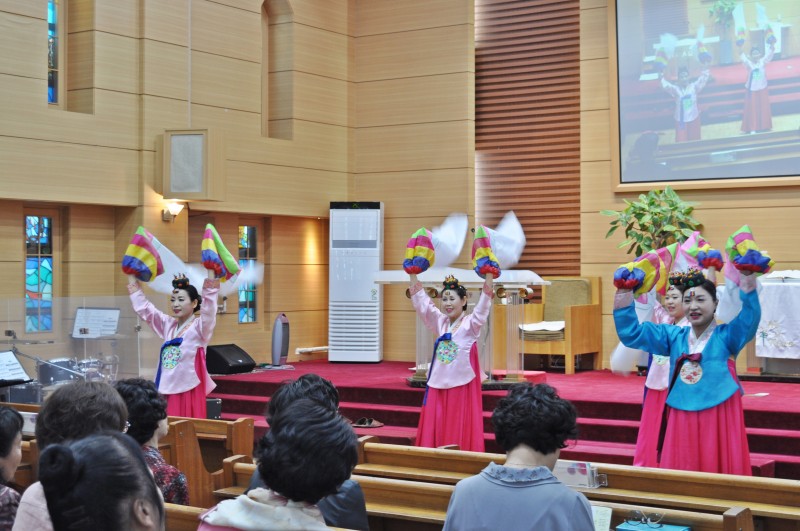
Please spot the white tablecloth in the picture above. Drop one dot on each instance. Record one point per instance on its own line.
(778, 333)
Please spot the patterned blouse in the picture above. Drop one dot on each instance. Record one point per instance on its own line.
(169, 479)
(9, 501)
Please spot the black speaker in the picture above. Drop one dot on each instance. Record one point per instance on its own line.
(228, 359)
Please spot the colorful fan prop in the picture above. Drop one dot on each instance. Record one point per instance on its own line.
(744, 253)
(483, 258)
(419, 252)
(739, 23)
(703, 55)
(216, 257)
(642, 275)
(141, 257)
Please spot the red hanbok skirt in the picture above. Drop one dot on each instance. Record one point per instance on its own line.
(454, 416)
(191, 403)
(646, 453)
(757, 114)
(711, 440)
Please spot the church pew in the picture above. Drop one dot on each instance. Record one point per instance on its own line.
(219, 439)
(182, 518)
(183, 447)
(394, 504)
(626, 484)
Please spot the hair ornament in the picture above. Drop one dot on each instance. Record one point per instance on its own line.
(180, 281)
(451, 283)
(693, 278)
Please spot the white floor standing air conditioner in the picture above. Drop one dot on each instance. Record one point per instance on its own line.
(355, 301)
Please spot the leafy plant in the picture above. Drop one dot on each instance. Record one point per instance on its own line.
(722, 13)
(656, 220)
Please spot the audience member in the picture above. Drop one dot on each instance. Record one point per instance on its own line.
(10, 455)
(532, 424)
(74, 411)
(147, 416)
(308, 452)
(100, 483)
(346, 508)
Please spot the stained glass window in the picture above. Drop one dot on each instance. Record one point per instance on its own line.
(247, 256)
(53, 38)
(38, 274)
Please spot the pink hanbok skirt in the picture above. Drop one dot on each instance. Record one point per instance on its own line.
(757, 115)
(454, 416)
(646, 453)
(711, 440)
(686, 131)
(191, 403)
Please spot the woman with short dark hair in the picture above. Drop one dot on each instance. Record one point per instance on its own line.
(10, 455)
(308, 452)
(532, 424)
(147, 417)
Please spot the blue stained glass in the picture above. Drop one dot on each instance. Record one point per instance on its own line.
(52, 51)
(38, 275)
(247, 294)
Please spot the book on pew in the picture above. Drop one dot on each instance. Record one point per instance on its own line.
(601, 517)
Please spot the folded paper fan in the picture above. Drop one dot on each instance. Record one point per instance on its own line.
(642, 275)
(216, 257)
(141, 257)
(483, 258)
(419, 252)
(667, 255)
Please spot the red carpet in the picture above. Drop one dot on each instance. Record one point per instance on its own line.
(609, 406)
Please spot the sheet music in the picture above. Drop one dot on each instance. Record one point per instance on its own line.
(602, 517)
(95, 322)
(11, 369)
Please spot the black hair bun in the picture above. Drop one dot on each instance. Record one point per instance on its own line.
(58, 469)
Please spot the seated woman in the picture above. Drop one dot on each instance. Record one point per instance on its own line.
(147, 416)
(100, 483)
(72, 412)
(10, 455)
(308, 452)
(532, 424)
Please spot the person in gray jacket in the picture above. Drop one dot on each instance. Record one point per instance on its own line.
(532, 424)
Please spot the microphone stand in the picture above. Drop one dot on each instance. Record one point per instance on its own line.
(40, 361)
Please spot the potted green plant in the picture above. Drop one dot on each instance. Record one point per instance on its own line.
(721, 12)
(657, 219)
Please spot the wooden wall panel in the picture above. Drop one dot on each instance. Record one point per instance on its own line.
(295, 241)
(387, 56)
(27, 37)
(382, 16)
(165, 21)
(437, 98)
(80, 66)
(594, 95)
(81, 15)
(432, 192)
(594, 33)
(86, 174)
(398, 336)
(165, 70)
(28, 9)
(232, 123)
(224, 82)
(119, 18)
(280, 190)
(11, 231)
(89, 234)
(315, 146)
(116, 61)
(595, 129)
(26, 114)
(159, 114)
(320, 52)
(89, 279)
(316, 98)
(224, 30)
(333, 15)
(415, 147)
